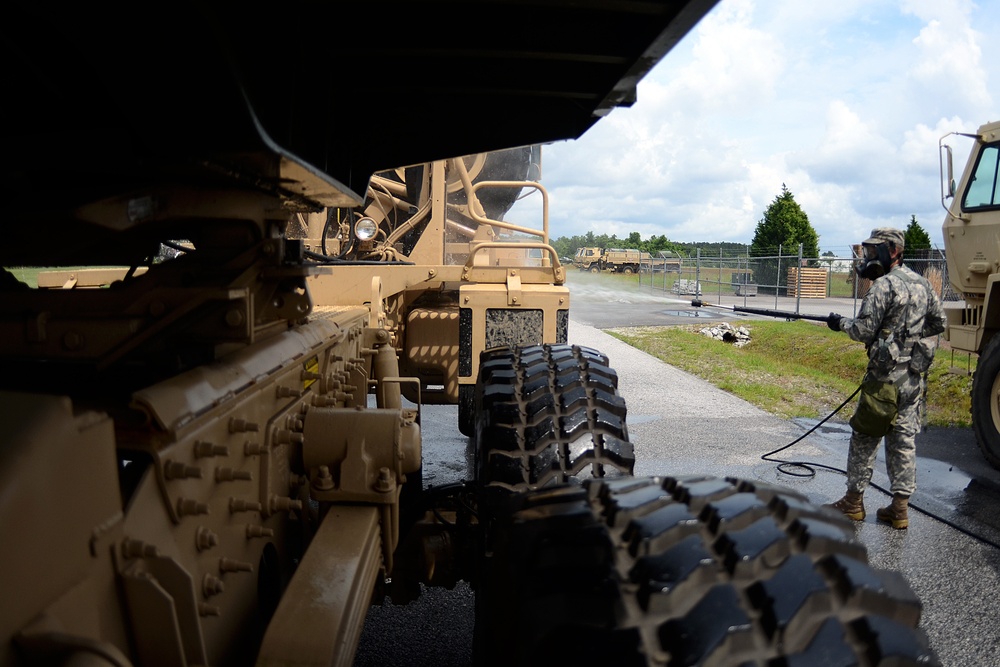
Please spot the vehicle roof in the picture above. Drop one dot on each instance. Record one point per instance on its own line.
(307, 98)
(989, 130)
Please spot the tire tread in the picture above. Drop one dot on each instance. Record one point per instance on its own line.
(547, 414)
(690, 570)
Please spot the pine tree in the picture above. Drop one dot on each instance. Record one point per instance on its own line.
(915, 238)
(784, 224)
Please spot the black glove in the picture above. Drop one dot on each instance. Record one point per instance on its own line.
(833, 321)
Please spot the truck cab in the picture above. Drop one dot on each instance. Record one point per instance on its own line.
(970, 232)
(589, 259)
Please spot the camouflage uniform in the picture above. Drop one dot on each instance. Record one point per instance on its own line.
(901, 315)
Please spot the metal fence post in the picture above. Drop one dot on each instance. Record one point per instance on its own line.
(720, 276)
(798, 283)
(697, 275)
(856, 283)
(747, 252)
(777, 279)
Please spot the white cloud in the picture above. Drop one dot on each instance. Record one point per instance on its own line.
(733, 65)
(948, 70)
(842, 102)
(849, 149)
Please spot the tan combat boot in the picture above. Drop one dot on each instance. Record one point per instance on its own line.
(851, 505)
(895, 513)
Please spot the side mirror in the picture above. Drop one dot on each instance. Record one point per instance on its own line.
(951, 173)
(948, 164)
(947, 171)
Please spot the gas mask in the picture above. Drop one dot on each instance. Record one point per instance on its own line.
(875, 261)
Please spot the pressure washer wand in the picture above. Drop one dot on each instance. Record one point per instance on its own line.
(698, 303)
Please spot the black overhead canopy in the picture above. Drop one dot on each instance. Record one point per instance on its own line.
(321, 94)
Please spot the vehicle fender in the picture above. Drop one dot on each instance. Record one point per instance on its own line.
(990, 318)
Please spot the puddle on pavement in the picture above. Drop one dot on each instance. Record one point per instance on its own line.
(831, 428)
(946, 482)
(634, 420)
(688, 313)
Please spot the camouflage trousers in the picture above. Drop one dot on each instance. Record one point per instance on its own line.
(900, 444)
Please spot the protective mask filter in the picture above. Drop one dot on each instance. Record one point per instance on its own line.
(875, 261)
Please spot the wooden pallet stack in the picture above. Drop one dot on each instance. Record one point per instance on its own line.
(814, 282)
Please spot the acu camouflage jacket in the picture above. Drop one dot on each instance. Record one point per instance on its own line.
(898, 322)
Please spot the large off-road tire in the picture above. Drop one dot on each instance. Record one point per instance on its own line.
(595, 269)
(687, 571)
(546, 414)
(986, 402)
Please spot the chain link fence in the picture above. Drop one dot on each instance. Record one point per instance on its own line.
(778, 279)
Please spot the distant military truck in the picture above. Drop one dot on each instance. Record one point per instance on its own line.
(588, 259)
(616, 260)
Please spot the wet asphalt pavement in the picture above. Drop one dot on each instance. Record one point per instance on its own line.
(682, 425)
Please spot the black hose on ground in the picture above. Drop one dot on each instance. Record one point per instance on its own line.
(808, 466)
(810, 471)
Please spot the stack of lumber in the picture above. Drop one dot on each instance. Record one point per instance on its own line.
(813, 283)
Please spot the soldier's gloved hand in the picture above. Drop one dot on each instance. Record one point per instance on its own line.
(833, 321)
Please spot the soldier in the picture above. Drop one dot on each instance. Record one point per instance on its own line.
(898, 322)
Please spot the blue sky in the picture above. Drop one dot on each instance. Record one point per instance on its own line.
(844, 103)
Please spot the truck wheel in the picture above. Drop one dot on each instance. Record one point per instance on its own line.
(688, 571)
(594, 269)
(985, 406)
(627, 270)
(546, 414)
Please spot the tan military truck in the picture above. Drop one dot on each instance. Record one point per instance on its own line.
(624, 260)
(214, 456)
(970, 232)
(589, 259)
(615, 260)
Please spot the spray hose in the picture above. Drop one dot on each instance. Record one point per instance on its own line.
(810, 471)
(810, 468)
(788, 315)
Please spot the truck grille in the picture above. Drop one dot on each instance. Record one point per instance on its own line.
(505, 326)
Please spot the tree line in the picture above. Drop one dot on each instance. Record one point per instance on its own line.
(784, 226)
(566, 246)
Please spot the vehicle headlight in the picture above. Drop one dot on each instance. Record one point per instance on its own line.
(365, 229)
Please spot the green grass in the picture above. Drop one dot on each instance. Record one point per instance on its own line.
(28, 276)
(841, 285)
(795, 369)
